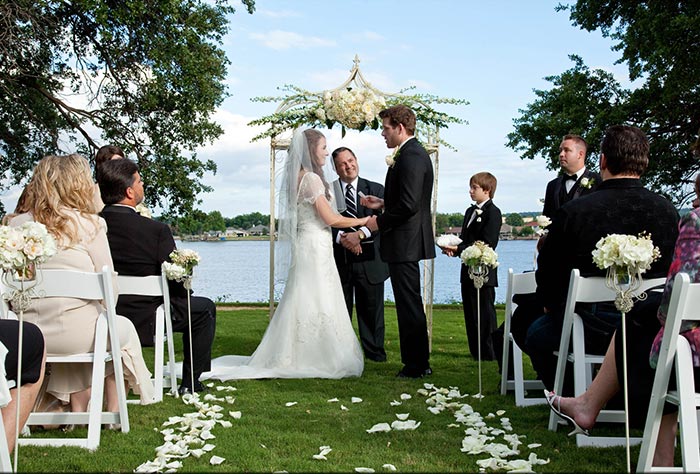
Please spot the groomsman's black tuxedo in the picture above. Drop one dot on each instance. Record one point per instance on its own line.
(556, 196)
(139, 246)
(486, 226)
(362, 277)
(407, 237)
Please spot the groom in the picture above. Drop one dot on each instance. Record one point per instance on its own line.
(406, 232)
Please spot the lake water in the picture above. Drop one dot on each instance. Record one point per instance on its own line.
(238, 271)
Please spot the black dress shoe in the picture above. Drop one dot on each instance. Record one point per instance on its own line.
(198, 387)
(414, 374)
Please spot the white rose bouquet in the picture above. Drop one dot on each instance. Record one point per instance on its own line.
(183, 262)
(354, 108)
(627, 253)
(24, 246)
(543, 222)
(479, 254)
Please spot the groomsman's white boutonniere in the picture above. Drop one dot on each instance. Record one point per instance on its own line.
(143, 210)
(587, 183)
(478, 211)
(391, 159)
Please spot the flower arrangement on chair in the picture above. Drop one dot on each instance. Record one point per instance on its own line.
(21, 250)
(479, 258)
(181, 268)
(625, 257)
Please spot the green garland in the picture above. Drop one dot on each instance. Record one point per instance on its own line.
(353, 108)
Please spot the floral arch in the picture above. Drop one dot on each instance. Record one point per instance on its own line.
(354, 104)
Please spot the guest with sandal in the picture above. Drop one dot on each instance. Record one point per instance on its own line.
(645, 327)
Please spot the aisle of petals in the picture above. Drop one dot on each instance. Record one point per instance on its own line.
(188, 435)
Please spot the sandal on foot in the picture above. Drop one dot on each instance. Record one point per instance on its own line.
(551, 398)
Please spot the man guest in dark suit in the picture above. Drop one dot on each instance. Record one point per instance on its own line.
(139, 246)
(575, 180)
(482, 221)
(620, 205)
(356, 252)
(407, 232)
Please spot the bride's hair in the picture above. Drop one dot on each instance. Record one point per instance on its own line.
(313, 137)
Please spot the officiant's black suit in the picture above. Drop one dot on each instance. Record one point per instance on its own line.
(362, 277)
(619, 206)
(139, 246)
(485, 227)
(556, 196)
(407, 237)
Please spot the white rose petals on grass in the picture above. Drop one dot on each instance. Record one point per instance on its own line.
(187, 435)
(379, 428)
(389, 467)
(323, 450)
(290, 404)
(356, 400)
(480, 438)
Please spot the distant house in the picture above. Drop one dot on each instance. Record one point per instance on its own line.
(234, 232)
(259, 229)
(506, 232)
(453, 230)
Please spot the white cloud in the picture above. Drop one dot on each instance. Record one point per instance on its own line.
(278, 13)
(283, 40)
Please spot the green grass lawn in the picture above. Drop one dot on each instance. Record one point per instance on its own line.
(270, 436)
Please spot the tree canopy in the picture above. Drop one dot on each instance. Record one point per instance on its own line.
(656, 40)
(142, 74)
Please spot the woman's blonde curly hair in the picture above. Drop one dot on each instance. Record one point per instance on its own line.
(61, 184)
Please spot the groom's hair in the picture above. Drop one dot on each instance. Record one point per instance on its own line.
(114, 177)
(626, 150)
(485, 181)
(400, 114)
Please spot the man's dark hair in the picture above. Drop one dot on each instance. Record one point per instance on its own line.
(400, 114)
(578, 139)
(341, 149)
(626, 150)
(114, 178)
(106, 153)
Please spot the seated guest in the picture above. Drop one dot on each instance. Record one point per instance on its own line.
(139, 246)
(60, 196)
(645, 329)
(105, 153)
(620, 205)
(33, 359)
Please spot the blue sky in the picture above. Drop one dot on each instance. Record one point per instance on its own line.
(492, 54)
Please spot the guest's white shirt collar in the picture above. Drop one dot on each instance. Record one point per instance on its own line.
(126, 205)
(579, 173)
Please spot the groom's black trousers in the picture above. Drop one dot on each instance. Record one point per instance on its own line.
(413, 329)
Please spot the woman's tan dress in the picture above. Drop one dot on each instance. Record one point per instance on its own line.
(68, 324)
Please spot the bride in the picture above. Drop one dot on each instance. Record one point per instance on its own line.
(310, 334)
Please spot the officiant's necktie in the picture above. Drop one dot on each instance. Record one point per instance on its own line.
(350, 201)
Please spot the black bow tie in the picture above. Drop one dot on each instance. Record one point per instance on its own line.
(572, 177)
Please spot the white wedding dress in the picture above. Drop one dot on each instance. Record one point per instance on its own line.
(310, 334)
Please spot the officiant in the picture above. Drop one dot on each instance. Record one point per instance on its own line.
(356, 251)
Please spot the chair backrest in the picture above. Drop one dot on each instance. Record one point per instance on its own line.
(74, 284)
(152, 285)
(518, 284)
(594, 290)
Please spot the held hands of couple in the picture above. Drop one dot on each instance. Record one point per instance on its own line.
(449, 250)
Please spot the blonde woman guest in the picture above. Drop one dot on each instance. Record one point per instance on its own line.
(60, 196)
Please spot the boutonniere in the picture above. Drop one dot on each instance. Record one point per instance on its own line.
(478, 214)
(143, 210)
(587, 183)
(391, 159)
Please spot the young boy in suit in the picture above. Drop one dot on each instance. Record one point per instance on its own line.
(482, 221)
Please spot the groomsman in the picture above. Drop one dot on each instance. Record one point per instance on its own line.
(407, 232)
(362, 272)
(620, 205)
(139, 246)
(575, 180)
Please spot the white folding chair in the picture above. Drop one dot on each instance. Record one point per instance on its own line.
(5, 386)
(88, 286)
(587, 290)
(521, 283)
(684, 304)
(156, 285)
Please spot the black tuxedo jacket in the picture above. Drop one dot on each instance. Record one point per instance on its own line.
(485, 227)
(619, 206)
(406, 224)
(375, 269)
(139, 246)
(556, 196)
